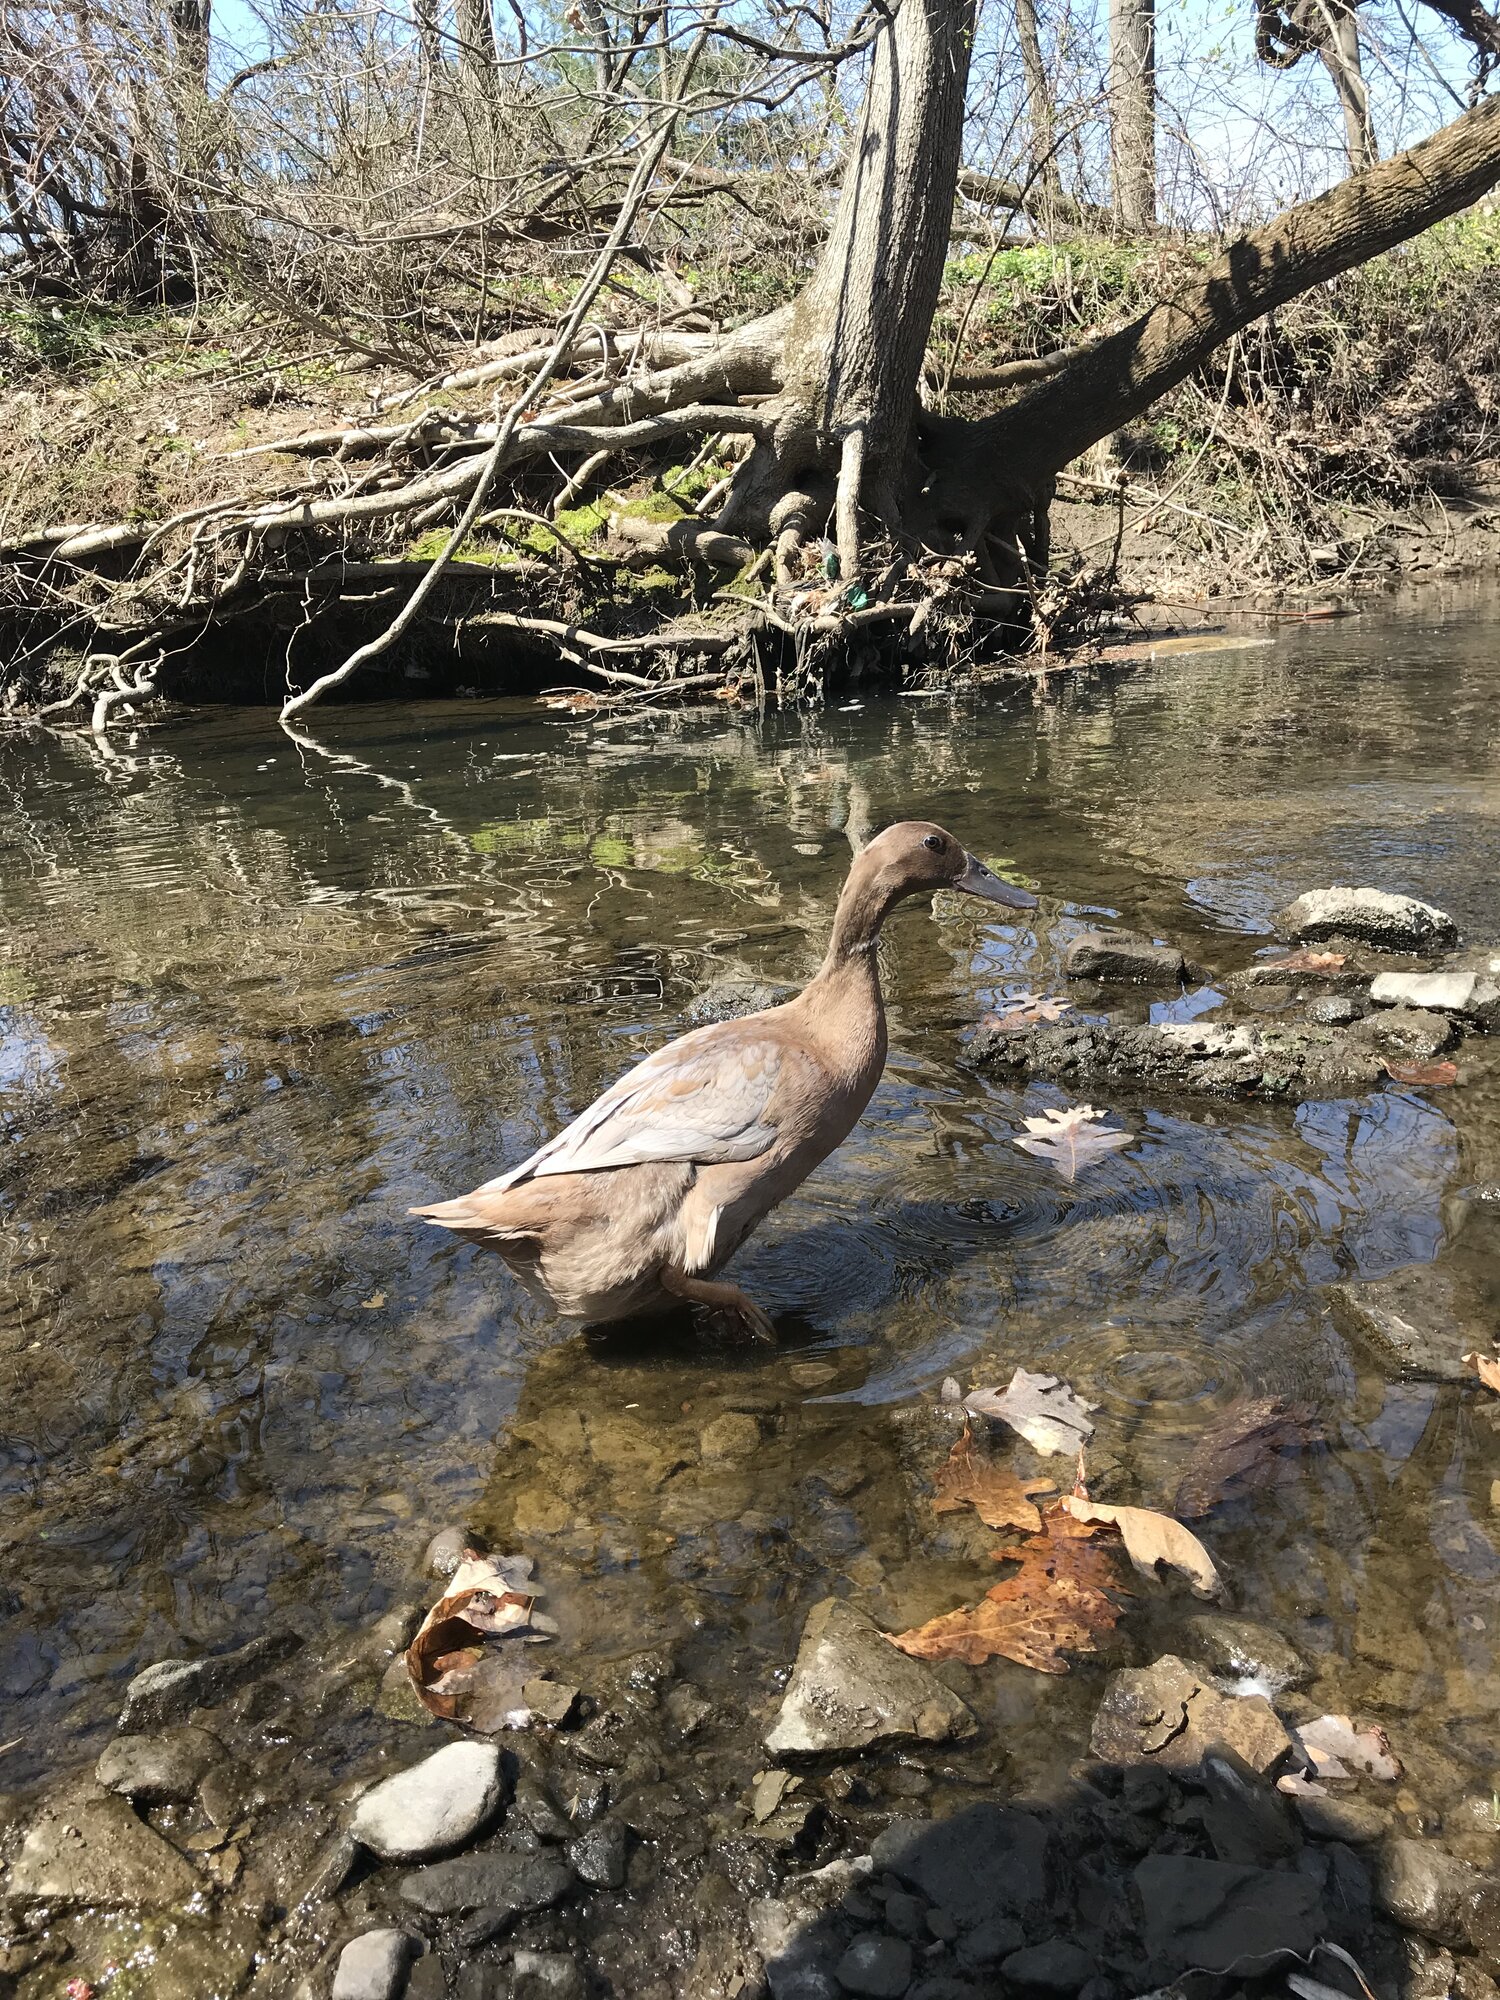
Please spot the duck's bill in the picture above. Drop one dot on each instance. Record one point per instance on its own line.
(977, 880)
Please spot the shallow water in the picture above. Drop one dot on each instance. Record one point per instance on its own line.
(259, 996)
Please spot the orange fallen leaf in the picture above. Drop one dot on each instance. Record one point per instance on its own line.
(1486, 1367)
(1063, 1595)
(1026, 1010)
(1434, 1073)
(1305, 961)
(452, 1672)
(970, 1478)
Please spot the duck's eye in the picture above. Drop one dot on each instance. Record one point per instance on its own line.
(934, 841)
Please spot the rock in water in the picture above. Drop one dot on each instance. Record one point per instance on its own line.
(435, 1807)
(851, 1688)
(371, 1967)
(1125, 956)
(159, 1770)
(1420, 1318)
(1237, 1649)
(879, 1967)
(96, 1851)
(1460, 990)
(1210, 1915)
(171, 1689)
(986, 1861)
(545, 1975)
(1169, 1714)
(1392, 923)
(1440, 1897)
(501, 1882)
(1058, 1967)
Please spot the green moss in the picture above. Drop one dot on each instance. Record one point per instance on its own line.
(428, 547)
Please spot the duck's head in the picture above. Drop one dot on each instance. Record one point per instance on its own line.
(915, 857)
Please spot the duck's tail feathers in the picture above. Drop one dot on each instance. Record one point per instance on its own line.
(470, 1215)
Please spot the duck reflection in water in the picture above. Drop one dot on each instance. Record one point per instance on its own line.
(648, 1193)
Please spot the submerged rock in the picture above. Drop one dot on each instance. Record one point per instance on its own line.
(1237, 1649)
(434, 1807)
(1421, 1318)
(1353, 1820)
(802, 1933)
(879, 1967)
(501, 1882)
(1440, 1897)
(172, 1689)
(373, 1965)
(165, 1769)
(95, 1851)
(1391, 923)
(1213, 1916)
(984, 1862)
(599, 1854)
(1170, 1714)
(1118, 955)
(1289, 1062)
(851, 1688)
(546, 1975)
(732, 997)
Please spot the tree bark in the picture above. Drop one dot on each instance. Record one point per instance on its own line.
(1132, 111)
(1339, 55)
(1040, 112)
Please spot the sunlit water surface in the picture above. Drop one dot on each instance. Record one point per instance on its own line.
(261, 996)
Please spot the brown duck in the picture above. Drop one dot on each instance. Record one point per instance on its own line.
(652, 1189)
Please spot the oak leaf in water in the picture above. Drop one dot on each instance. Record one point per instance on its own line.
(1486, 1367)
(1435, 1074)
(1042, 1408)
(1069, 1140)
(1332, 1744)
(1151, 1538)
(455, 1673)
(1245, 1449)
(970, 1478)
(1064, 1594)
(1026, 1010)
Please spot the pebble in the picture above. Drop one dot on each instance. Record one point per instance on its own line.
(1055, 1967)
(498, 1882)
(686, 1710)
(165, 1769)
(550, 1701)
(445, 1551)
(545, 1975)
(851, 1689)
(904, 1914)
(434, 1807)
(879, 1967)
(599, 1854)
(729, 1438)
(1332, 1010)
(372, 1966)
(813, 1374)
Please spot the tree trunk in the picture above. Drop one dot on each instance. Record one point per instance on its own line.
(475, 24)
(1339, 55)
(1132, 111)
(1039, 110)
(853, 353)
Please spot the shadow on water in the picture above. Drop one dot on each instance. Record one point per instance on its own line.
(257, 997)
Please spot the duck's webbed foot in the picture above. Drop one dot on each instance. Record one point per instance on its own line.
(717, 1297)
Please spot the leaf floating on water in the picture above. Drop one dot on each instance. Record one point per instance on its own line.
(1026, 1010)
(1064, 1595)
(1245, 1449)
(970, 1478)
(1068, 1140)
(456, 1675)
(1486, 1367)
(374, 1302)
(1042, 1408)
(1305, 961)
(1434, 1074)
(1151, 1538)
(1332, 1745)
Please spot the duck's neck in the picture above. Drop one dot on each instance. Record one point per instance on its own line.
(863, 908)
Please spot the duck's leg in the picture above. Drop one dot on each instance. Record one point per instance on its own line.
(718, 1298)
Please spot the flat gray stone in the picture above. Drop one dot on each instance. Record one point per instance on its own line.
(1215, 1917)
(1171, 1715)
(1352, 1820)
(164, 1769)
(1059, 1967)
(95, 1851)
(599, 1854)
(1452, 992)
(879, 1967)
(986, 1861)
(851, 1688)
(1405, 1034)
(172, 1689)
(373, 1966)
(732, 997)
(433, 1808)
(1392, 923)
(545, 1975)
(1123, 956)
(1419, 1322)
(513, 1883)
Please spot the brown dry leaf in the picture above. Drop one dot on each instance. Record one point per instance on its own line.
(1071, 1139)
(1486, 1367)
(1151, 1538)
(1062, 1597)
(1042, 1408)
(1435, 1074)
(1306, 961)
(1026, 1010)
(452, 1670)
(1242, 1451)
(970, 1478)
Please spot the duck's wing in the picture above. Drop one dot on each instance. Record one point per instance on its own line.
(708, 1097)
